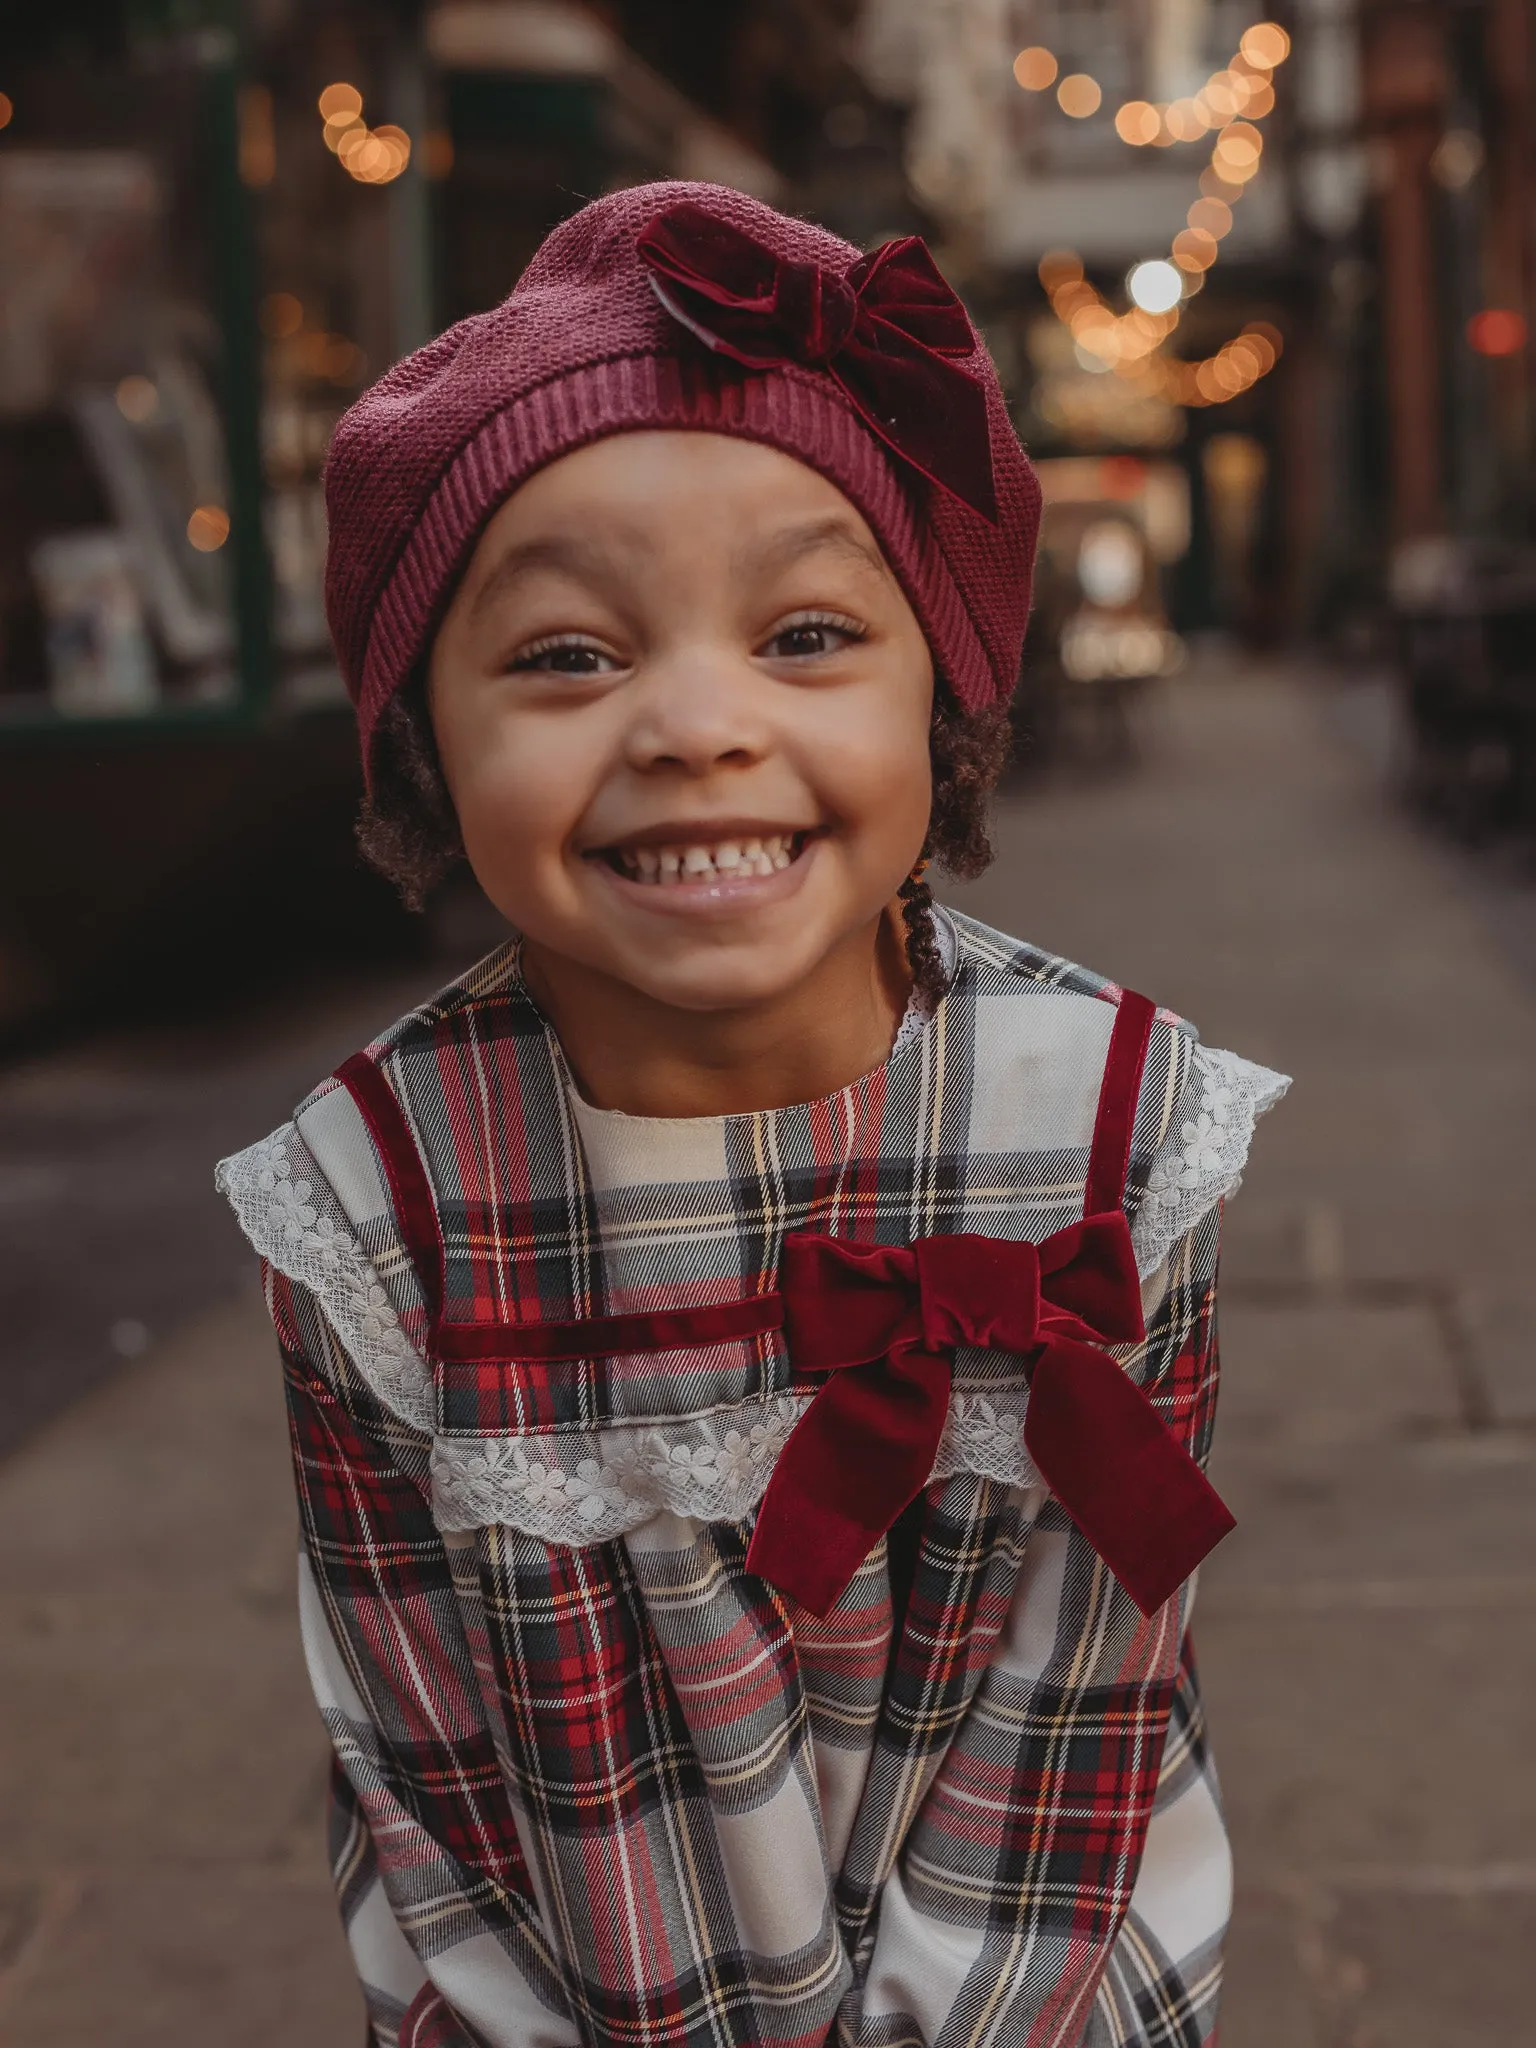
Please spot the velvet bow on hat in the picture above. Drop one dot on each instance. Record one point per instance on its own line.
(889, 330)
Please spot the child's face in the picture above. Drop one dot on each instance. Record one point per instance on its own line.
(682, 707)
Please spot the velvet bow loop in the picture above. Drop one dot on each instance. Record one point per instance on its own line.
(846, 1304)
(889, 331)
(884, 1321)
(1089, 1284)
(983, 1291)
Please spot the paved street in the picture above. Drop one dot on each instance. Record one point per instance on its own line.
(1368, 1636)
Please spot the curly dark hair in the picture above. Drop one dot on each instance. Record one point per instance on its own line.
(407, 829)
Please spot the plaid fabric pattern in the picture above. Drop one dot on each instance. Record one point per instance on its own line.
(619, 1792)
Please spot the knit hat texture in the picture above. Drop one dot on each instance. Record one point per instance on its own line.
(583, 348)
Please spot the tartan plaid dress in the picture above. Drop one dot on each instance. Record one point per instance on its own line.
(594, 1781)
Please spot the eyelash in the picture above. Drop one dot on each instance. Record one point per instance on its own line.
(833, 622)
(526, 657)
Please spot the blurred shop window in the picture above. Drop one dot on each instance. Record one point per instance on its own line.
(114, 593)
(1099, 633)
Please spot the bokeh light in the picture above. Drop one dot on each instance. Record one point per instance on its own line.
(340, 104)
(1079, 95)
(208, 528)
(1237, 152)
(1213, 215)
(1138, 122)
(1186, 120)
(1497, 331)
(1265, 44)
(1155, 286)
(1035, 68)
(1194, 249)
(137, 400)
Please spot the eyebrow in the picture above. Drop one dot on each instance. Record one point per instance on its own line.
(562, 553)
(812, 537)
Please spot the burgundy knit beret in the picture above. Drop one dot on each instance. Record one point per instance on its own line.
(591, 342)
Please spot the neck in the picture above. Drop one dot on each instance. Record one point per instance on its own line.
(631, 1053)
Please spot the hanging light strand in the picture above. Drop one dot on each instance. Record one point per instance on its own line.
(1229, 104)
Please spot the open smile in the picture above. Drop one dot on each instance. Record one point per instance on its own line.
(693, 864)
(720, 872)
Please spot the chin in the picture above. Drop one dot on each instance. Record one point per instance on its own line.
(731, 982)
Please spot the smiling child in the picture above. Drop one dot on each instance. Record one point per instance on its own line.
(750, 1342)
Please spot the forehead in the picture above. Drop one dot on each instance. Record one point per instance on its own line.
(644, 496)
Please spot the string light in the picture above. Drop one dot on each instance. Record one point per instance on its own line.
(373, 156)
(1079, 95)
(1265, 45)
(1128, 343)
(1138, 122)
(1155, 286)
(1035, 69)
(1230, 102)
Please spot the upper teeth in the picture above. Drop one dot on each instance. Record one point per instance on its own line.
(697, 863)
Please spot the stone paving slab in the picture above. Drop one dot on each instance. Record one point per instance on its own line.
(162, 1875)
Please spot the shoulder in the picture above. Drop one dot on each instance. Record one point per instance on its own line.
(1005, 965)
(316, 1200)
(487, 997)
(1198, 1104)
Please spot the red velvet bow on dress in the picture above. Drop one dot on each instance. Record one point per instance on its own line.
(889, 331)
(884, 1321)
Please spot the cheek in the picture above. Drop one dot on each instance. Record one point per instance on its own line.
(877, 775)
(517, 793)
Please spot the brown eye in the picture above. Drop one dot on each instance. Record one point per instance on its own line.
(808, 638)
(564, 658)
(801, 640)
(571, 661)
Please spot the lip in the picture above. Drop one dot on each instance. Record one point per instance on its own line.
(717, 899)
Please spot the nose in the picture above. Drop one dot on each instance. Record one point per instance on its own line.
(699, 711)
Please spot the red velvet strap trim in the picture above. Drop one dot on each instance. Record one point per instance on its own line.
(720, 1322)
(1110, 1158)
(380, 1110)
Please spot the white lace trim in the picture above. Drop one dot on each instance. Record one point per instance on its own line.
(288, 1210)
(1201, 1162)
(715, 1468)
(591, 1487)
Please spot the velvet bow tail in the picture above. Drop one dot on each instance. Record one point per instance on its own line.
(1130, 1486)
(862, 1450)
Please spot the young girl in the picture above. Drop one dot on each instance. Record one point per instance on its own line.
(751, 1341)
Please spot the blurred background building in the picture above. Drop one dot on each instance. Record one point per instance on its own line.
(1260, 290)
